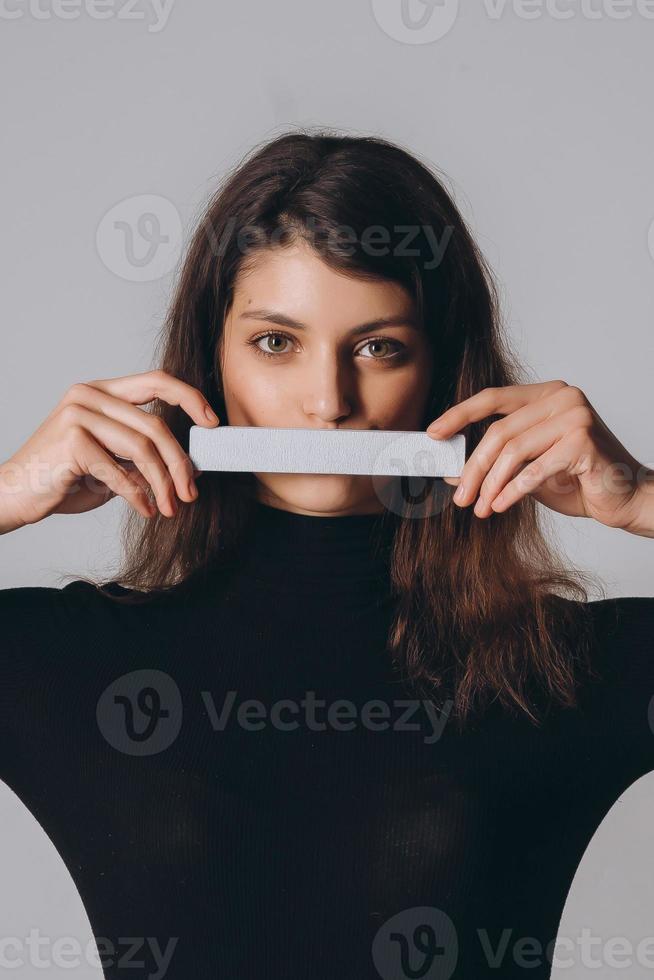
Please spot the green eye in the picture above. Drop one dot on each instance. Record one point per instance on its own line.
(270, 336)
(383, 342)
(275, 341)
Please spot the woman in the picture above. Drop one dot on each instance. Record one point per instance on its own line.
(320, 727)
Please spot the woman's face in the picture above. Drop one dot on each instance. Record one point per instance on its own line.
(296, 354)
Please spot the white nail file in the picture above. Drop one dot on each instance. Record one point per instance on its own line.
(376, 452)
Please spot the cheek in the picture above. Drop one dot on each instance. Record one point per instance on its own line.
(253, 394)
(396, 398)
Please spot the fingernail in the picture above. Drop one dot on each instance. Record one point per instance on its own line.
(193, 490)
(435, 427)
(211, 415)
(460, 492)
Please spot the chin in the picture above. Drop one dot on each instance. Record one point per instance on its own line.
(318, 493)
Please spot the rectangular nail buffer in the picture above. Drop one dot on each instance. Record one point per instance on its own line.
(381, 452)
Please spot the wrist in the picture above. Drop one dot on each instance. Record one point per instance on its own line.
(9, 521)
(7, 525)
(642, 521)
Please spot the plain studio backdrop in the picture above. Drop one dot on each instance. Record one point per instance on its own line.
(539, 114)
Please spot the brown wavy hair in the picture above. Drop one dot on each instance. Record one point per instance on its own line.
(486, 611)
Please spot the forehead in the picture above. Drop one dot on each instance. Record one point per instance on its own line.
(296, 281)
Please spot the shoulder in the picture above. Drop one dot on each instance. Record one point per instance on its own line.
(45, 612)
(623, 621)
(34, 597)
(82, 608)
(623, 653)
(614, 625)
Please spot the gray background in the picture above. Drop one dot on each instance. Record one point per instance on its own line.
(542, 124)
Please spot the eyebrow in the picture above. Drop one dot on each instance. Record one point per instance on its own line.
(274, 316)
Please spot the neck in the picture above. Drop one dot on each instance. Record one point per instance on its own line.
(304, 553)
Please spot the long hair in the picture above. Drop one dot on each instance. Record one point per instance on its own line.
(486, 610)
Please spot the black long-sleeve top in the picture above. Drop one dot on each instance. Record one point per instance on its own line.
(229, 773)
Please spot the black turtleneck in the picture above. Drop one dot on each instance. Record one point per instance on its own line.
(293, 551)
(235, 774)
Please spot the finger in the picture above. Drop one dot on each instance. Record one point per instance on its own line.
(139, 389)
(134, 474)
(489, 401)
(484, 456)
(109, 473)
(531, 445)
(531, 478)
(178, 462)
(119, 438)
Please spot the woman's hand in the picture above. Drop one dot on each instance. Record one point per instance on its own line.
(553, 445)
(70, 465)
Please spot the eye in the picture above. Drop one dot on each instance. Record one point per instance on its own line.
(383, 342)
(271, 335)
(276, 340)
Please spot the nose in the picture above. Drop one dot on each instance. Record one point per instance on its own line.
(326, 392)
